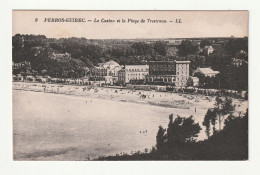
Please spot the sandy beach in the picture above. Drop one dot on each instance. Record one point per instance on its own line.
(79, 122)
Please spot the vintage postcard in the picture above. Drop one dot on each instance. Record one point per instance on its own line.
(129, 85)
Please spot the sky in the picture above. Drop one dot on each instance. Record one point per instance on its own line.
(194, 24)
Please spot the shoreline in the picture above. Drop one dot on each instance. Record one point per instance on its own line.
(153, 98)
(169, 100)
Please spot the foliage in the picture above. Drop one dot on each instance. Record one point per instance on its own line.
(187, 47)
(37, 49)
(223, 107)
(160, 138)
(236, 45)
(210, 120)
(231, 76)
(179, 132)
(204, 43)
(160, 48)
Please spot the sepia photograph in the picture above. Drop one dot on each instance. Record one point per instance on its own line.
(150, 85)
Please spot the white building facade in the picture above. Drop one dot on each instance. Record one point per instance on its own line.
(132, 74)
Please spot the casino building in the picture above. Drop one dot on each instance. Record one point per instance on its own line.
(175, 73)
(107, 72)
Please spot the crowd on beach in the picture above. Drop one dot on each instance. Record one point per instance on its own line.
(124, 95)
(178, 100)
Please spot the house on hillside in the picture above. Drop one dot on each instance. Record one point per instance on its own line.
(208, 50)
(207, 72)
(60, 56)
(21, 65)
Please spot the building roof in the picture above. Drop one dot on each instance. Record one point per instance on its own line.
(112, 64)
(136, 66)
(182, 62)
(207, 71)
(195, 78)
(170, 61)
(208, 47)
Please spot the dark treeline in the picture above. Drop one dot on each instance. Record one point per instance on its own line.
(90, 52)
(37, 49)
(223, 59)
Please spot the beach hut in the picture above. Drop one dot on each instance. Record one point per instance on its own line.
(19, 77)
(160, 88)
(30, 78)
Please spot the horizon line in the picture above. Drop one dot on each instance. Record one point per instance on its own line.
(156, 38)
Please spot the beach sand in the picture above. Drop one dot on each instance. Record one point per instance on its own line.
(66, 122)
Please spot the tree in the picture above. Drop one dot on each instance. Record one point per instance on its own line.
(141, 48)
(204, 43)
(187, 47)
(202, 79)
(236, 45)
(160, 47)
(160, 139)
(181, 130)
(210, 120)
(223, 106)
(196, 61)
